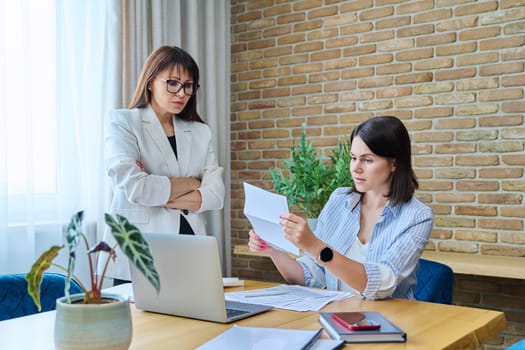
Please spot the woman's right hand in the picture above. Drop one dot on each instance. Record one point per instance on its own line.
(257, 244)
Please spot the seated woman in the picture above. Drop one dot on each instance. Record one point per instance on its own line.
(368, 238)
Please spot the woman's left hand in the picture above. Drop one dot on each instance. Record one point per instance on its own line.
(297, 231)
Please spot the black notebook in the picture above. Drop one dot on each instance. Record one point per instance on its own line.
(386, 333)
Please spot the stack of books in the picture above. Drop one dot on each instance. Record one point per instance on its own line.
(361, 327)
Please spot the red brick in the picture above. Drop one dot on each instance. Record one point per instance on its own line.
(503, 68)
(414, 78)
(353, 6)
(415, 6)
(502, 43)
(457, 23)
(456, 49)
(431, 16)
(376, 36)
(325, 11)
(375, 13)
(501, 95)
(477, 59)
(416, 54)
(356, 28)
(415, 30)
(514, 80)
(454, 74)
(476, 8)
(375, 59)
(393, 22)
(359, 50)
(436, 39)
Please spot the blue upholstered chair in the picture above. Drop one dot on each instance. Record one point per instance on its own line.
(435, 282)
(520, 345)
(16, 302)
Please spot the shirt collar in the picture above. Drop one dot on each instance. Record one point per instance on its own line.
(353, 201)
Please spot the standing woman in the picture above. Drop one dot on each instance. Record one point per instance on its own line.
(159, 154)
(368, 238)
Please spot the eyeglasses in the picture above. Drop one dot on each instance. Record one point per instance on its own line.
(174, 86)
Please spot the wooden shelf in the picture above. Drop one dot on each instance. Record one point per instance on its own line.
(244, 250)
(468, 264)
(481, 265)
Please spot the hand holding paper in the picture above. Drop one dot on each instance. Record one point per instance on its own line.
(263, 208)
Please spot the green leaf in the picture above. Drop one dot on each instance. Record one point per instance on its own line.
(307, 179)
(134, 246)
(73, 236)
(34, 277)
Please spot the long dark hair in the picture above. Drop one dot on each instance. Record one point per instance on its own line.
(387, 137)
(160, 59)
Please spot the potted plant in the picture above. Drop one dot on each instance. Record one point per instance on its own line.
(94, 319)
(307, 180)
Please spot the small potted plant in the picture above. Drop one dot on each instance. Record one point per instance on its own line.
(307, 180)
(94, 319)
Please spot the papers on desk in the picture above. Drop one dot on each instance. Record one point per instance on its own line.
(263, 208)
(232, 282)
(289, 297)
(259, 338)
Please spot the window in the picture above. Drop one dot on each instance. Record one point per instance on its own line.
(51, 108)
(52, 103)
(29, 97)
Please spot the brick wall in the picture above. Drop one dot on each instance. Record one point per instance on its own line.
(452, 70)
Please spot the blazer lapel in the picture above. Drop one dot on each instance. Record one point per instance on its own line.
(153, 128)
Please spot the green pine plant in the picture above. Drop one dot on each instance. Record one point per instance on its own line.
(129, 239)
(308, 179)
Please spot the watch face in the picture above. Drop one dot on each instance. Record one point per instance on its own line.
(326, 254)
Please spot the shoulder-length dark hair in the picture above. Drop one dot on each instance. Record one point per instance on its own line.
(387, 137)
(160, 59)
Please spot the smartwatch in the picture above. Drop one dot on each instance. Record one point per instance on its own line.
(326, 254)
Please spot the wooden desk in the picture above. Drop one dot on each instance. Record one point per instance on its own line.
(428, 326)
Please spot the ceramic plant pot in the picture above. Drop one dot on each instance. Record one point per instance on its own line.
(81, 326)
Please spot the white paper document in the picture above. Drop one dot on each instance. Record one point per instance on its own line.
(260, 338)
(263, 208)
(289, 297)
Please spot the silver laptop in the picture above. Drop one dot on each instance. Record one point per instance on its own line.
(190, 281)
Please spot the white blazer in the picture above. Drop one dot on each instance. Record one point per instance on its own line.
(136, 134)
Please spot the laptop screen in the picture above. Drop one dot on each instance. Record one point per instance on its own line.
(190, 278)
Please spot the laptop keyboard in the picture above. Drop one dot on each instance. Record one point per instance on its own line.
(235, 312)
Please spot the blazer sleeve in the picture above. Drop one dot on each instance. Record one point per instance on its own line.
(212, 183)
(123, 135)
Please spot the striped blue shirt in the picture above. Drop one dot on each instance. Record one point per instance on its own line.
(397, 242)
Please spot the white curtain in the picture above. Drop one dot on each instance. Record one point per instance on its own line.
(53, 95)
(63, 65)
